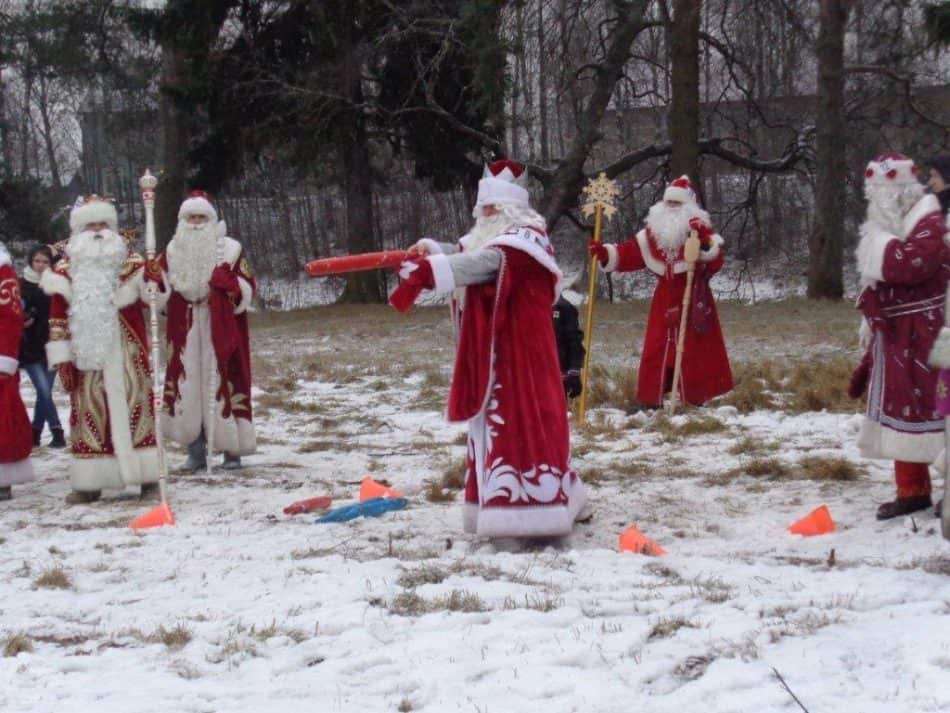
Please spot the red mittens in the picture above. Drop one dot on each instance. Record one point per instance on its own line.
(225, 279)
(598, 250)
(703, 231)
(416, 276)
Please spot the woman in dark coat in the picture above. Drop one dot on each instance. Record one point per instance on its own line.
(33, 346)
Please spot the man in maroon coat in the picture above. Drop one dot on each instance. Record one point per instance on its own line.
(658, 248)
(904, 266)
(507, 379)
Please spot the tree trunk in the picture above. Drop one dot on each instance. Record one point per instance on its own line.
(684, 106)
(357, 176)
(175, 140)
(48, 133)
(825, 244)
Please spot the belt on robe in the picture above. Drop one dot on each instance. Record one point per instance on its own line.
(907, 308)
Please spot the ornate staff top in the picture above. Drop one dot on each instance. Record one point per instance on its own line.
(148, 182)
(600, 192)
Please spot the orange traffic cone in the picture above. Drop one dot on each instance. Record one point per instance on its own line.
(156, 517)
(632, 540)
(370, 489)
(817, 522)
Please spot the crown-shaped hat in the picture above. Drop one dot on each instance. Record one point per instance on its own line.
(92, 209)
(680, 190)
(890, 169)
(503, 183)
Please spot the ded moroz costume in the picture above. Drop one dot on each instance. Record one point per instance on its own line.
(658, 248)
(208, 337)
(507, 382)
(904, 266)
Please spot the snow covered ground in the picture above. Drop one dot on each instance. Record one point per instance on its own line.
(240, 608)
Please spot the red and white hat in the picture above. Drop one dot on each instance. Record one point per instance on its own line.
(503, 183)
(198, 203)
(680, 190)
(890, 169)
(92, 209)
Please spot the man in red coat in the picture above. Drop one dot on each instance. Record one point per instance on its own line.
(208, 338)
(904, 266)
(16, 439)
(507, 380)
(659, 249)
(98, 342)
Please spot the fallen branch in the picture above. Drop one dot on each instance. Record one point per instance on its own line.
(785, 686)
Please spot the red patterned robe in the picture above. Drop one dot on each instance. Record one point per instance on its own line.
(111, 422)
(906, 277)
(16, 440)
(205, 336)
(507, 385)
(705, 366)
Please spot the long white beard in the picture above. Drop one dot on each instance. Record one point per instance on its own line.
(488, 228)
(192, 258)
(887, 205)
(670, 226)
(94, 266)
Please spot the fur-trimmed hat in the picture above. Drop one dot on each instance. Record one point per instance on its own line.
(503, 184)
(92, 209)
(680, 190)
(198, 203)
(890, 169)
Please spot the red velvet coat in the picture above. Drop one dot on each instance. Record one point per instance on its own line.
(16, 440)
(705, 371)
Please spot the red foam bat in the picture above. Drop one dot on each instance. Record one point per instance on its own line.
(355, 263)
(309, 505)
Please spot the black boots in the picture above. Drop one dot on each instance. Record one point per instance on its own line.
(36, 437)
(79, 497)
(59, 440)
(903, 506)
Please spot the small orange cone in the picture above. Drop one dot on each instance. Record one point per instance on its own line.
(156, 517)
(632, 540)
(370, 489)
(817, 522)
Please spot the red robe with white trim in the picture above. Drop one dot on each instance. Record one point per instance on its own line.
(16, 440)
(705, 367)
(507, 384)
(906, 279)
(210, 334)
(112, 418)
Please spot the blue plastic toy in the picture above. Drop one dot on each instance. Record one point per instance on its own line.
(368, 508)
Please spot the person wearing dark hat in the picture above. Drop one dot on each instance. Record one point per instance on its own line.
(939, 180)
(904, 267)
(33, 346)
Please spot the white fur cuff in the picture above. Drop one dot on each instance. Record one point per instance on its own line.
(441, 273)
(58, 352)
(714, 251)
(940, 353)
(247, 294)
(613, 257)
(432, 246)
(8, 365)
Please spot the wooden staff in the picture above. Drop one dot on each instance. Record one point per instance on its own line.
(690, 254)
(601, 194)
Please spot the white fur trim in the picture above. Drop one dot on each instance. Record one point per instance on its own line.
(940, 353)
(94, 212)
(5, 258)
(105, 472)
(653, 264)
(870, 252)
(433, 246)
(58, 352)
(534, 243)
(876, 440)
(131, 290)
(197, 206)
(53, 283)
(496, 191)
(441, 273)
(922, 208)
(15, 473)
(714, 250)
(8, 365)
(681, 195)
(903, 168)
(613, 257)
(247, 294)
(113, 379)
(533, 521)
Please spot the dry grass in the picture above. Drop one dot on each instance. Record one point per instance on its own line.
(697, 424)
(54, 578)
(17, 644)
(435, 492)
(424, 574)
(829, 468)
(175, 638)
(665, 628)
(802, 387)
(752, 446)
(453, 476)
(537, 602)
(411, 604)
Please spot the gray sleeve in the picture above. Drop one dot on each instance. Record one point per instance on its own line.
(474, 268)
(437, 247)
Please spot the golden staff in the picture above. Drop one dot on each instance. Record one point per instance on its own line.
(600, 194)
(690, 255)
